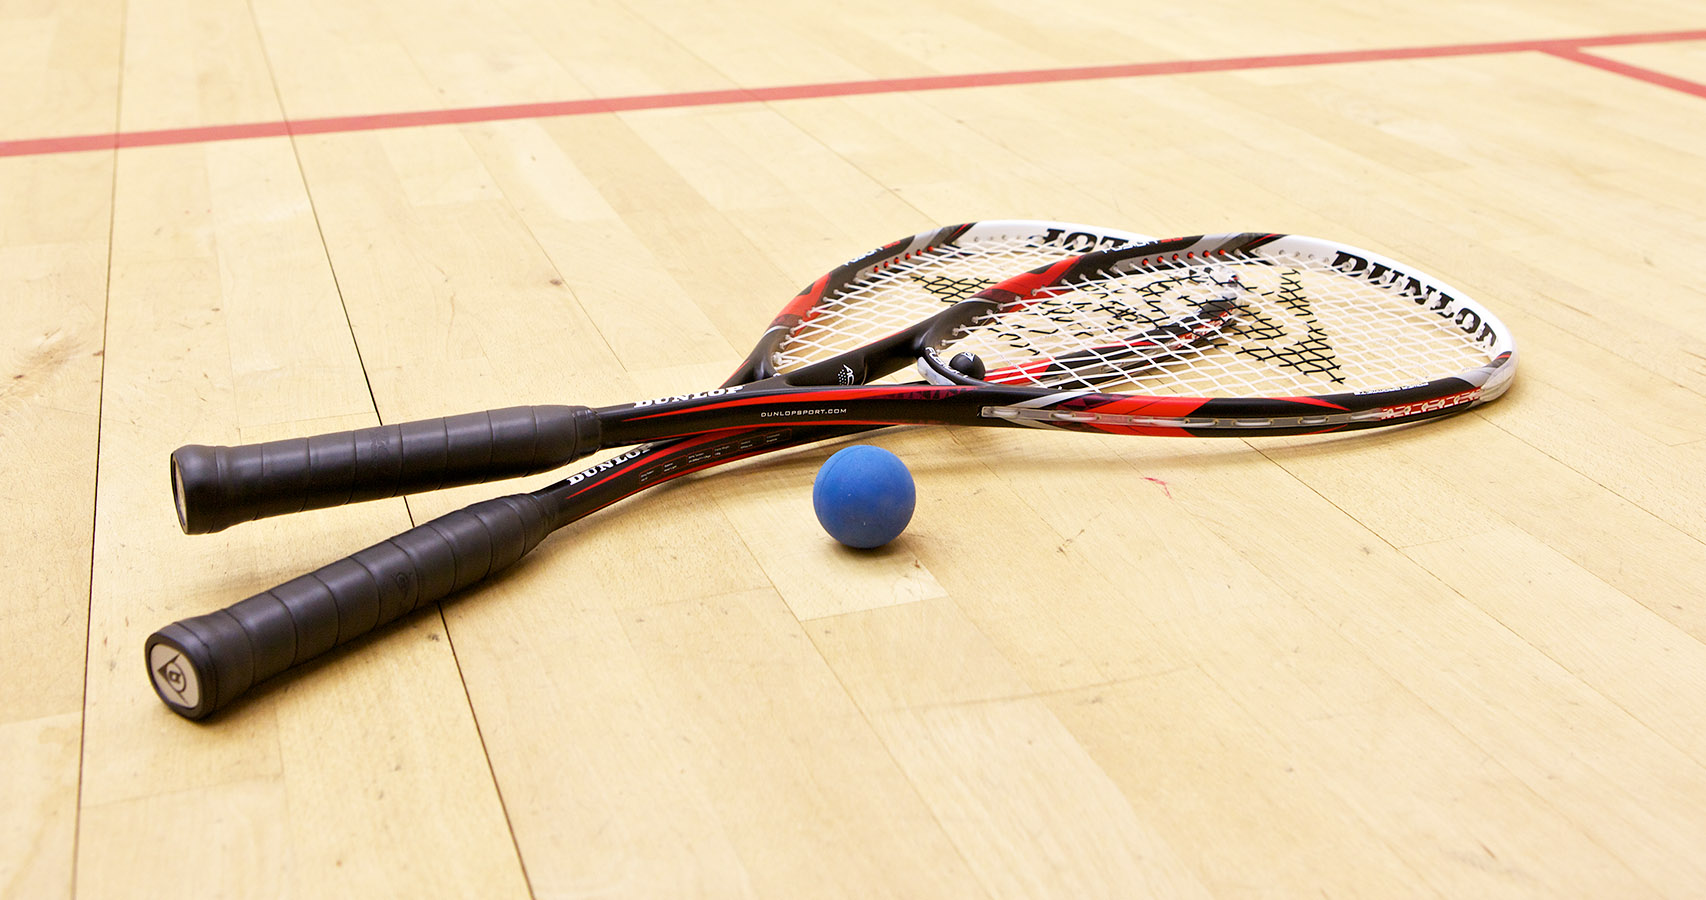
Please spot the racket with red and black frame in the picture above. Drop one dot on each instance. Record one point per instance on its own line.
(1219, 335)
(201, 664)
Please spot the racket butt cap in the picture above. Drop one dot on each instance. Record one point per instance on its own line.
(185, 670)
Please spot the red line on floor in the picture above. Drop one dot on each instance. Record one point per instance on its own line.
(1637, 72)
(1564, 48)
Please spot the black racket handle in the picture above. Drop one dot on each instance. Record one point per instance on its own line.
(217, 487)
(201, 664)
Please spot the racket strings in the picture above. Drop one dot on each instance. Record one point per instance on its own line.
(906, 291)
(1238, 326)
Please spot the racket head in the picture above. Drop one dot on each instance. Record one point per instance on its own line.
(891, 290)
(1232, 324)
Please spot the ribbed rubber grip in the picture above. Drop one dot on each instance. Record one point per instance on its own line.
(201, 664)
(217, 487)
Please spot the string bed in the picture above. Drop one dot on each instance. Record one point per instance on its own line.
(1275, 325)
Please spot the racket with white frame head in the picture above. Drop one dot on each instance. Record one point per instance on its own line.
(1232, 335)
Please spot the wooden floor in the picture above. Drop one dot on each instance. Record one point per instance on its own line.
(1463, 660)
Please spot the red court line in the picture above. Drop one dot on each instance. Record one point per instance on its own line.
(1637, 72)
(1565, 48)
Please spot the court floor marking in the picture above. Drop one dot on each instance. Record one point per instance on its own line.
(1640, 73)
(1570, 49)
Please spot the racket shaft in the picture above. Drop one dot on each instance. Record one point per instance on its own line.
(217, 487)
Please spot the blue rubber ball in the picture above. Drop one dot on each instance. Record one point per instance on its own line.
(863, 496)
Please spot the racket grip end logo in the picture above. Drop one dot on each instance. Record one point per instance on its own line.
(174, 678)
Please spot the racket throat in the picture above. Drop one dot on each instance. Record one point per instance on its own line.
(876, 360)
